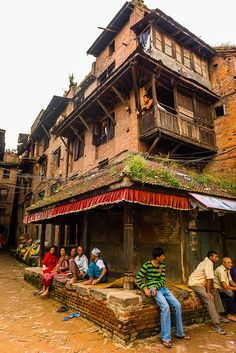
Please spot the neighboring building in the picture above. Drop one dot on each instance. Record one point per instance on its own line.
(2, 143)
(223, 78)
(8, 195)
(93, 191)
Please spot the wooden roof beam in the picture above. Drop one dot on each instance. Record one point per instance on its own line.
(84, 122)
(123, 100)
(106, 111)
(77, 134)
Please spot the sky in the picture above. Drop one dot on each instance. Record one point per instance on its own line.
(43, 41)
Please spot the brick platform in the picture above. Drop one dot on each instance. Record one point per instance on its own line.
(124, 315)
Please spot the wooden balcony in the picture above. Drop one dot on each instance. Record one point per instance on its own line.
(177, 126)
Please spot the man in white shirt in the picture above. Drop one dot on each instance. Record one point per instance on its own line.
(97, 270)
(227, 287)
(201, 281)
(81, 261)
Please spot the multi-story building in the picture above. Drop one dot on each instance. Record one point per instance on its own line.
(92, 193)
(8, 194)
(223, 78)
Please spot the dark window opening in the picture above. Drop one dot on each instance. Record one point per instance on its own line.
(6, 174)
(107, 73)
(103, 164)
(2, 212)
(78, 99)
(3, 195)
(41, 195)
(220, 110)
(78, 148)
(45, 143)
(104, 131)
(57, 157)
(112, 48)
(43, 172)
(165, 98)
(54, 188)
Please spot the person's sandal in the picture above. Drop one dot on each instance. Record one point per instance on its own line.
(184, 337)
(166, 344)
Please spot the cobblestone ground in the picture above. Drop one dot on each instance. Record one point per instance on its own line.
(30, 324)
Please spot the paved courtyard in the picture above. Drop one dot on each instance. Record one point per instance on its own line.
(30, 324)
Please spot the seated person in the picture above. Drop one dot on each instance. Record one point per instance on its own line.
(73, 268)
(148, 104)
(201, 281)
(97, 270)
(81, 261)
(233, 273)
(49, 260)
(227, 287)
(61, 266)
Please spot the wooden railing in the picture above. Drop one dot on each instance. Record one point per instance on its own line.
(177, 125)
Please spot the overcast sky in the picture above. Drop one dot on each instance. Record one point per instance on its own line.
(43, 41)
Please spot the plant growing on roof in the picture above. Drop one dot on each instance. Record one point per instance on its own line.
(72, 80)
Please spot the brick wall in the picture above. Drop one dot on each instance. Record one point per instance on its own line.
(123, 315)
(222, 75)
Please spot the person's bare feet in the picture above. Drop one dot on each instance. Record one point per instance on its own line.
(231, 317)
(44, 294)
(89, 281)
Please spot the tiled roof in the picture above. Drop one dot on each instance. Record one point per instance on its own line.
(156, 172)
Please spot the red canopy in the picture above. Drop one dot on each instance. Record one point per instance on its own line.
(130, 195)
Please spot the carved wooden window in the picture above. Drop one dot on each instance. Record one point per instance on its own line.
(185, 104)
(43, 171)
(104, 131)
(107, 73)
(197, 64)
(57, 157)
(168, 47)
(187, 59)
(178, 53)
(157, 40)
(205, 71)
(203, 111)
(78, 148)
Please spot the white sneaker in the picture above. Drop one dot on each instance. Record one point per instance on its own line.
(218, 329)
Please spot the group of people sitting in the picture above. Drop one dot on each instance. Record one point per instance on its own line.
(211, 286)
(72, 268)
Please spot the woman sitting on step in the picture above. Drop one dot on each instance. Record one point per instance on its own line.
(61, 266)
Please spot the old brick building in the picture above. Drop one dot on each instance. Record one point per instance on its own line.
(8, 195)
(88, 183)
(223, 78)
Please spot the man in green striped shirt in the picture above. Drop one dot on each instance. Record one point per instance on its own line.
(151, 278)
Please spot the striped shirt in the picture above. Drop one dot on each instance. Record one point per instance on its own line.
(151, 276)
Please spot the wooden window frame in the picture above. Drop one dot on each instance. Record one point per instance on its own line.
(78, 148)
(103, 134)
(6, 174)
(57, 157)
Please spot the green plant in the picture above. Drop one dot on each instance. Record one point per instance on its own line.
(168, 177)
(136, 166)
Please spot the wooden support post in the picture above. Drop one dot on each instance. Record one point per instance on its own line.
(77, 134)
(61, 239)
(46, 131)
(123, 100)
(128, 236)
(67, 159)
(85, 240)
(42, 243)
(135, 86)
(106, 111)
(154, 92)
(157, 139)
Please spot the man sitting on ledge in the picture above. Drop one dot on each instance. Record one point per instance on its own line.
(151, 279)
(97, 270)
